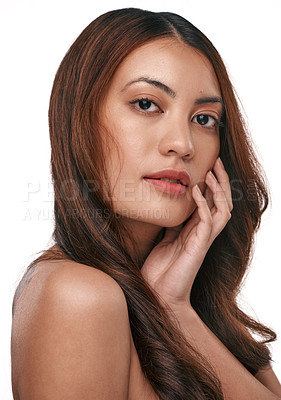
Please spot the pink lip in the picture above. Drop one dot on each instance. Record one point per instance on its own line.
(169, 187)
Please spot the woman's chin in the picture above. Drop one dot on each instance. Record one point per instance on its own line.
(159, 217)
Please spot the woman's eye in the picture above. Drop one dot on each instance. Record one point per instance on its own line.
(206, 120)
(146, 105)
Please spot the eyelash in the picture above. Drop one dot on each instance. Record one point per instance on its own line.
(217, 122)
(148, 100)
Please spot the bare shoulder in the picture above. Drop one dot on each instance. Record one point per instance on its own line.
(268, 378)
(70, 330)
(49, 276)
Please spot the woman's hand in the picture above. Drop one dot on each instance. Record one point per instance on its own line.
(173, 264)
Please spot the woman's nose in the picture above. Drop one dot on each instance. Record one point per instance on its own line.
(177, 139)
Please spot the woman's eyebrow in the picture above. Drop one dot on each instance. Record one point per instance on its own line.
(154, 83)
(212, 99)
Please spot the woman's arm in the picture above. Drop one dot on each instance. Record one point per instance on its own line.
(237, 382)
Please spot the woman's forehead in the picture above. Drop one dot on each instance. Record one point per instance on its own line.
(179, 66)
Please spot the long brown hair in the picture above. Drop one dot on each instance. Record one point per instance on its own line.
(87, 230)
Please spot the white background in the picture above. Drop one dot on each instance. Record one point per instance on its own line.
(34, 38)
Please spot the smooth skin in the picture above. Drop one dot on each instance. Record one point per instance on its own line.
(71, 333)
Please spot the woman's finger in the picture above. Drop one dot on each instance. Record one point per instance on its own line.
(222, 212)
(195, 219)
(223, 179)
(204, 226)
(209, 197)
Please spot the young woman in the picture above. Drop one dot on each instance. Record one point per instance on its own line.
(154, 226)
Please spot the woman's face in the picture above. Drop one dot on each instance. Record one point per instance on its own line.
(162, 110)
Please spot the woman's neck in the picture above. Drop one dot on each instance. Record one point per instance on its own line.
(145, 236)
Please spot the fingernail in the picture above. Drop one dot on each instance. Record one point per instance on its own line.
(213, 176)
(220, 162)
(198, 189)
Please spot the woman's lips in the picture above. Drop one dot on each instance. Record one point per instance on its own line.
(160, 181)
(167, 187)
